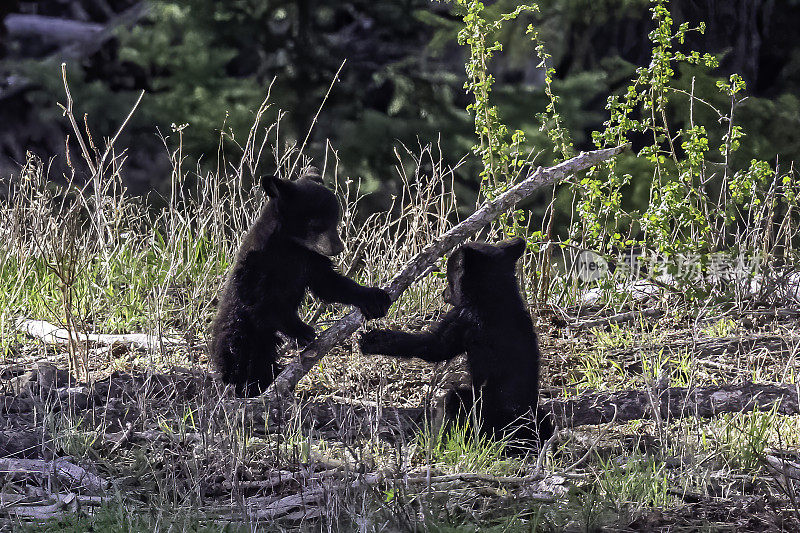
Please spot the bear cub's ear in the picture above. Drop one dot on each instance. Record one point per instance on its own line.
(513, 248)
(311, 173)
(274, 186)
(467, 253)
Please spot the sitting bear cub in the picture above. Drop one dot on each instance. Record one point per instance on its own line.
(490, 322)
(284, 252)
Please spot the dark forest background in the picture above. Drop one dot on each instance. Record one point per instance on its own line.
(206, 67)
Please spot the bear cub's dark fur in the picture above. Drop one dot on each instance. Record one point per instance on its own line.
(284, 252)
(490, 322)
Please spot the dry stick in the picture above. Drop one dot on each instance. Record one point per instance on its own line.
(287, 380)
(68, 112)
(110, 145)
(314, 121)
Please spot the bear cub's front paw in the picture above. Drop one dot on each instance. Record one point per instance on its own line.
(374, 341)
(304, 336)
(376, 303)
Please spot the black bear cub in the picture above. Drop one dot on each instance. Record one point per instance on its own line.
(284, 252)
(490, 322)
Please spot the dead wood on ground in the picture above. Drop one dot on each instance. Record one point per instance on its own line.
(346, 421)
(52, 334)
(674, 403)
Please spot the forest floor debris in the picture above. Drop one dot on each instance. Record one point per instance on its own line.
(141, 438)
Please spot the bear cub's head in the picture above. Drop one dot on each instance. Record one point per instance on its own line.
(309, 212)
(476, 270)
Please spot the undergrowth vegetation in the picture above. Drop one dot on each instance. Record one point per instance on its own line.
(182, 454)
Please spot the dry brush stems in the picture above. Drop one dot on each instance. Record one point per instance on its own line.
(287, 380)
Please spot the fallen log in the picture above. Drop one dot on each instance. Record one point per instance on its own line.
(63, 505)
(62, 468)
(345, 420)
(674, 403)
(308, 503)
(784, 467)
(287, 380)
(52, 334)
(75, 39)
(52, 29)
(593, 408)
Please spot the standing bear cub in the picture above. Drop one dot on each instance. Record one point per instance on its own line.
(490, 322)
(284, 252)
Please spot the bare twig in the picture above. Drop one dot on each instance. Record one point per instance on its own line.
(113, 140)
(543, 453)
(71, 116)
(316, 116)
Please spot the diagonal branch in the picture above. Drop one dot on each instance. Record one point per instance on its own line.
(287, 380)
